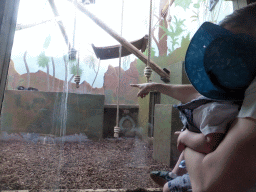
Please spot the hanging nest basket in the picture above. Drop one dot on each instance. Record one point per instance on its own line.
(72, 54)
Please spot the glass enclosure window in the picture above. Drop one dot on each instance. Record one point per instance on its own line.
(58, 134)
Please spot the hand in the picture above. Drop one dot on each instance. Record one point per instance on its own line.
(145, 88)
(181, 136)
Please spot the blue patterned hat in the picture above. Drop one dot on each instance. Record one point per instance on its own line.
(219, 63)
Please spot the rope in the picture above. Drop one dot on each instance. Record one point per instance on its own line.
(72, 50)
(148, 70)
(117, 128)
(73, 53)
(77, 77)
(74, 30)
(150, 32)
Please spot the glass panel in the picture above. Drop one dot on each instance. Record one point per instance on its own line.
(55, 135)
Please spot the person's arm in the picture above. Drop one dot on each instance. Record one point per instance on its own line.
(231, 167)
(198, 141)
(183, 93)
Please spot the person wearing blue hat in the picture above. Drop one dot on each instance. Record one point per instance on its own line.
(220, 64)
(231, 167)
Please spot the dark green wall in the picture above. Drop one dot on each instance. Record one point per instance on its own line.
(44, 112)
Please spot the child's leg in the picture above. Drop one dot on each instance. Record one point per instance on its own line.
(161, 177)
(177, 170)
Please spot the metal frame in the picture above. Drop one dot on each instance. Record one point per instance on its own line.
(8, 19)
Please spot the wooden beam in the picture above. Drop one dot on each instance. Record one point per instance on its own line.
(8, 19)
(122, 41)
(61, 26)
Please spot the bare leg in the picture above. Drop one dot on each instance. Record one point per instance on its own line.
(178, 171)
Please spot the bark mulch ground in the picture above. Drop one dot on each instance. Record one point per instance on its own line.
(106, 164)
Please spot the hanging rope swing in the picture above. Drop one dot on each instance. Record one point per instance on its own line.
(148, 70)
(117, 128)
(72, 55)
(77, 76)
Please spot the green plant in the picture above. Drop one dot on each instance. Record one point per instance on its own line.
(174, 32)
(183, 3)
(75, 69)
(94, 64)
(43, 60)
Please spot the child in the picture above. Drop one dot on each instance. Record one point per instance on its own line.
(205, 122)
(218, 65)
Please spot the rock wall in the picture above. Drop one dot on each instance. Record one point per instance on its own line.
(38, 80)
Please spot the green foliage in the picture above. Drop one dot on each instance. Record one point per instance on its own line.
(196, 5)
(183, 3)
(73, 69)
(185, 41)
(91, 61)
(47, 42)
(195, 17)
(140, 67)
(153, 52)
(174, 31)
(43, 60)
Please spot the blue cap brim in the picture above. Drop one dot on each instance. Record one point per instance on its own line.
(194, 62)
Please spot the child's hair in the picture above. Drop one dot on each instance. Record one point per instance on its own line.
(243, 18)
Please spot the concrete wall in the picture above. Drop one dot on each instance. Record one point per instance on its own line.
(44, 112)
(128, 120)
(167, 121)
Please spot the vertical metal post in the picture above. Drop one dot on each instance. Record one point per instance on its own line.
(8, 19)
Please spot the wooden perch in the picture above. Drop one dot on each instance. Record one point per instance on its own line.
(111, 52)
(123, 42)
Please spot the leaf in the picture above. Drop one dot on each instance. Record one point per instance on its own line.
(47, 42)
(170, 51)
(183, 3)
(91, 61)
(73, 70)
(197, 5)
(43, 60)
(185, 41)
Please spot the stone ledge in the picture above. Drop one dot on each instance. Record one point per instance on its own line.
(121, 106)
